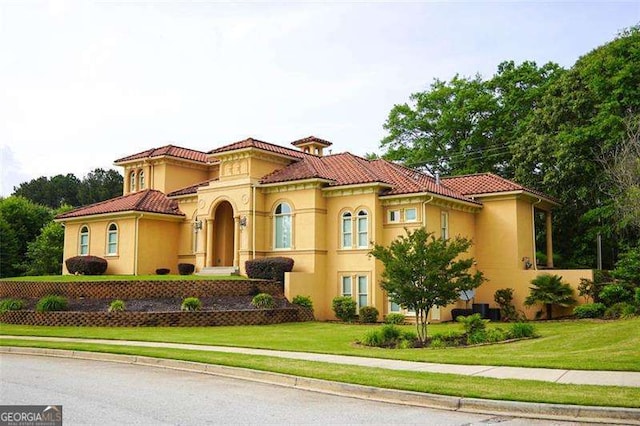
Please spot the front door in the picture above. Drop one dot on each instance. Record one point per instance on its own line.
(223, 241)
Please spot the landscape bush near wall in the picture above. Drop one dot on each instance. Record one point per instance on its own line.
(157, 319)
(139, 289)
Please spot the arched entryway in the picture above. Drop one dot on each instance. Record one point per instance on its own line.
(224, 238)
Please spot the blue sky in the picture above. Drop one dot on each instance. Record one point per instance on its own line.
(85, 83)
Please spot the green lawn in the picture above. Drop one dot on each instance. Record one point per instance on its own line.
(444, 384)
(584, 344)
(75, 278)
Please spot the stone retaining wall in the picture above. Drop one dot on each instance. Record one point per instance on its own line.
(157, 319)
(139, 289)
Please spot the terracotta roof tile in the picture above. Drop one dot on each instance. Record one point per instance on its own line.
(486, 183)
(192, 189)
(169, 151)
(311, 139)
(149, 200)
(255, 143)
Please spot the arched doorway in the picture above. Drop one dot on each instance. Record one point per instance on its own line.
(223, 241)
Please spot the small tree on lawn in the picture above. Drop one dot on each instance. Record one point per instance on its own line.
(422, 271)
(550, 290)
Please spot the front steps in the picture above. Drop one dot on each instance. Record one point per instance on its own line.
(219, 270)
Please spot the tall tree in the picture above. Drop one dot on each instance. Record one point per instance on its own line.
(100, 185)
(54, 192)
(421, 272)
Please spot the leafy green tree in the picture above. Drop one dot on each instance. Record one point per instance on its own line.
(550, 290)
(60, 189)
(422, 272)
(25, 219)
(44, 254)
(628, 267)
(100, 185)
(8, 250)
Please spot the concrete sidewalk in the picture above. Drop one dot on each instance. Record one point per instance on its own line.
(580, 377)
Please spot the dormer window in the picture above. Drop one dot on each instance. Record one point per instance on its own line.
(132, 181)
(141, 180)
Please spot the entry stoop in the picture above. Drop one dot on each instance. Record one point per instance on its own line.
(219, 270)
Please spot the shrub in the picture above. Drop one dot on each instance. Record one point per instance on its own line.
(117, 306)
(620, 310)
(368, 314)
(11, 305)
(344, 308)
(86, 265)
(519, 330)
(162, 271)
(550, 290)
(473, 323)
(51, 303)
(186, 268)
(637, 297)
(504, 299)
(269, 268)
(303, 301)
(191, 304)
(394, 318)
(494, 335)
(614, 293)
(390, 336)
(447, 338)
(263, 301)
(589, 310)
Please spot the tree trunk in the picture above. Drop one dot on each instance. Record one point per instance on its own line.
(549, 308)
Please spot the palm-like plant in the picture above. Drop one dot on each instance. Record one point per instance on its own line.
(550, 290)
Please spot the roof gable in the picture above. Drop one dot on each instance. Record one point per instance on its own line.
(258, 144)
(167, 151)
(149, 200)
(488, 183)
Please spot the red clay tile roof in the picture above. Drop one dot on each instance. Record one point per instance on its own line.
(348, 169)
(169, 151)
(486, 183)
(311, 139)
(255, 143)
(149, 200)
(192, 189)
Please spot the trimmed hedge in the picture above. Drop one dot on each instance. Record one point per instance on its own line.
(86, 265)
(368, 314)
(162, 271)
(186, 268)
(269, 268)
(590, 310)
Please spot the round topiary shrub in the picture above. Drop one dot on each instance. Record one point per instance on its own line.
(263, 301)
(86, 265)
(11, 305)
(589, 310)
(344, 308)
(117, 306)
(303, 301)
(394, 318)
(269, 268)
(52, 303)
(191, 304)
(162, 271)
(186, 268)
(368, 314)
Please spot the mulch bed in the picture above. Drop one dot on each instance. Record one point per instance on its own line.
(219, 303)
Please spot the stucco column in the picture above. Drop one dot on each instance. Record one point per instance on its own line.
(208, 244)
(549, 240)
(236, 241)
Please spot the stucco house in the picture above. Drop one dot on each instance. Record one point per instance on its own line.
(253, 199)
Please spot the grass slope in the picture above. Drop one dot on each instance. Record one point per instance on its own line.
(584, 344)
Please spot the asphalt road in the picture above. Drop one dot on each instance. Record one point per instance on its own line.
(95, 392)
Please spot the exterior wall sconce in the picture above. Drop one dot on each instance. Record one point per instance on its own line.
(243, 222)
(197, 224)
(527, 263)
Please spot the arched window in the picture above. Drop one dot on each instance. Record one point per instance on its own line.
(363, 229)
(112, 239)
(282, 225)
(132, 180)
(347, 230)
(141, 180)
(84, 240)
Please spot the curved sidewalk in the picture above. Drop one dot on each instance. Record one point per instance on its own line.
(579, 377)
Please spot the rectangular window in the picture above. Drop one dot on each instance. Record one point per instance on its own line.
(394, 216)
(346, 232)
(84, 244)
(444, 225)
(362, 291)
(283, 232)
(410, 215)
(363, 237)
(112, 246)
(394, 307)
(346, 286)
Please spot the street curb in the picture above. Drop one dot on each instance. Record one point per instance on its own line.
(590, 414)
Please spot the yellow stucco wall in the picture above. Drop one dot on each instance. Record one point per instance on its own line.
(157, 245)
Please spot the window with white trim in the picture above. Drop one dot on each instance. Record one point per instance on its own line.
(282, 226)
(444, 225)
(112, 239)
(346, 286)
(132, 181)
(141, 180)
(394, 307)
(394, 216)
(410, 215)
(83, 248)
(347, 230)
(363, 285)
(363, 229)
(356, 287)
